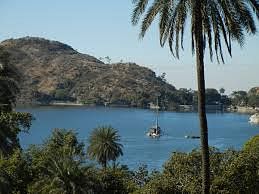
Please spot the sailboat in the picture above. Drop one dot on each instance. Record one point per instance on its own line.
(155, 131)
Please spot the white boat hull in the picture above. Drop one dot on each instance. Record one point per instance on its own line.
(153, 134)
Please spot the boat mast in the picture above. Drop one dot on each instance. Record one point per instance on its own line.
(157, 107)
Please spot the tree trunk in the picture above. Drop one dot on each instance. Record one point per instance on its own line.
(201, 99)
(105, 164)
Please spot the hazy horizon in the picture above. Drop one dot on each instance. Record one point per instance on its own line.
(104, 29)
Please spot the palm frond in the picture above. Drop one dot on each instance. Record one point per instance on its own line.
(164, 20)
(140, 6)
(104, 145)
(255, 7)
(154, 9)
(223, 21)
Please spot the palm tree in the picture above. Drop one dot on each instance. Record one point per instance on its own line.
(63, 174)
(59, 165)
(104, 145)
(212, 23)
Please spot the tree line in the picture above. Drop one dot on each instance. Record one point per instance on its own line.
(184, 96)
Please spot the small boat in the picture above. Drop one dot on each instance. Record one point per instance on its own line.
(192, 137)
(155, 131)
(254, 118)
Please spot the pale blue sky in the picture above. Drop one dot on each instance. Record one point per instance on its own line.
(103, 28)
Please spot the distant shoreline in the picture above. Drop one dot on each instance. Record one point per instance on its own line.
(242, 110)
(66, 104)
(60, 104)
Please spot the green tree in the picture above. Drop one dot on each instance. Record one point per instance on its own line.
(9, 77)
(141, 176)
(252, 145)
(162, 77)
(253, 97)
(115, 181)
(185, 95)
(159, 183)
(58, 165)
(239, 98)
(221, 91)
(240, 175)
(104, 145)
(63, 174)
(212, 22)
(5, 182)
(108, 59)
(253, 100)
(212, 96)
(11, 124)
(61, 94)
(15, 173)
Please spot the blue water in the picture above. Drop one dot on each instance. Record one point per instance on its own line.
(227, 130)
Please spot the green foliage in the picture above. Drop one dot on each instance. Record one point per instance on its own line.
(243, 98)
(217, 23)
(254, 91)
(60, 143)
(231, 172)
(9, 77)
(115, 181)
(253, 97)
(239, 98)
(57, 166)
(185, 170)
(141, 175)
(162, 77)
(185, 96)
(221, 91)
(15, 173)
(42, 97)
(5, 182)
(252, 145)
(104, 145)
(159, 183)
(253, 100)
(62, 174)
(212, 96)
(11, 124)
(64, 140)
(239, 176)
(108, 59)
(62, 94)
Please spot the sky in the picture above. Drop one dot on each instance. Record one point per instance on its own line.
(103, 28)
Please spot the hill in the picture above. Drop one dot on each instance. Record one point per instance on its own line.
(53, 71)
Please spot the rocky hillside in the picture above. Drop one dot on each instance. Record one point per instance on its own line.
(53, 71)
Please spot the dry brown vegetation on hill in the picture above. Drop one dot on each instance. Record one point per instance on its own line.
(55, 71)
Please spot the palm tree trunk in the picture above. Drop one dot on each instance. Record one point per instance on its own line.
(201, 100)
(105, 165)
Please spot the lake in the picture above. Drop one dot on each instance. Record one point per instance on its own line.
(226, 130)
